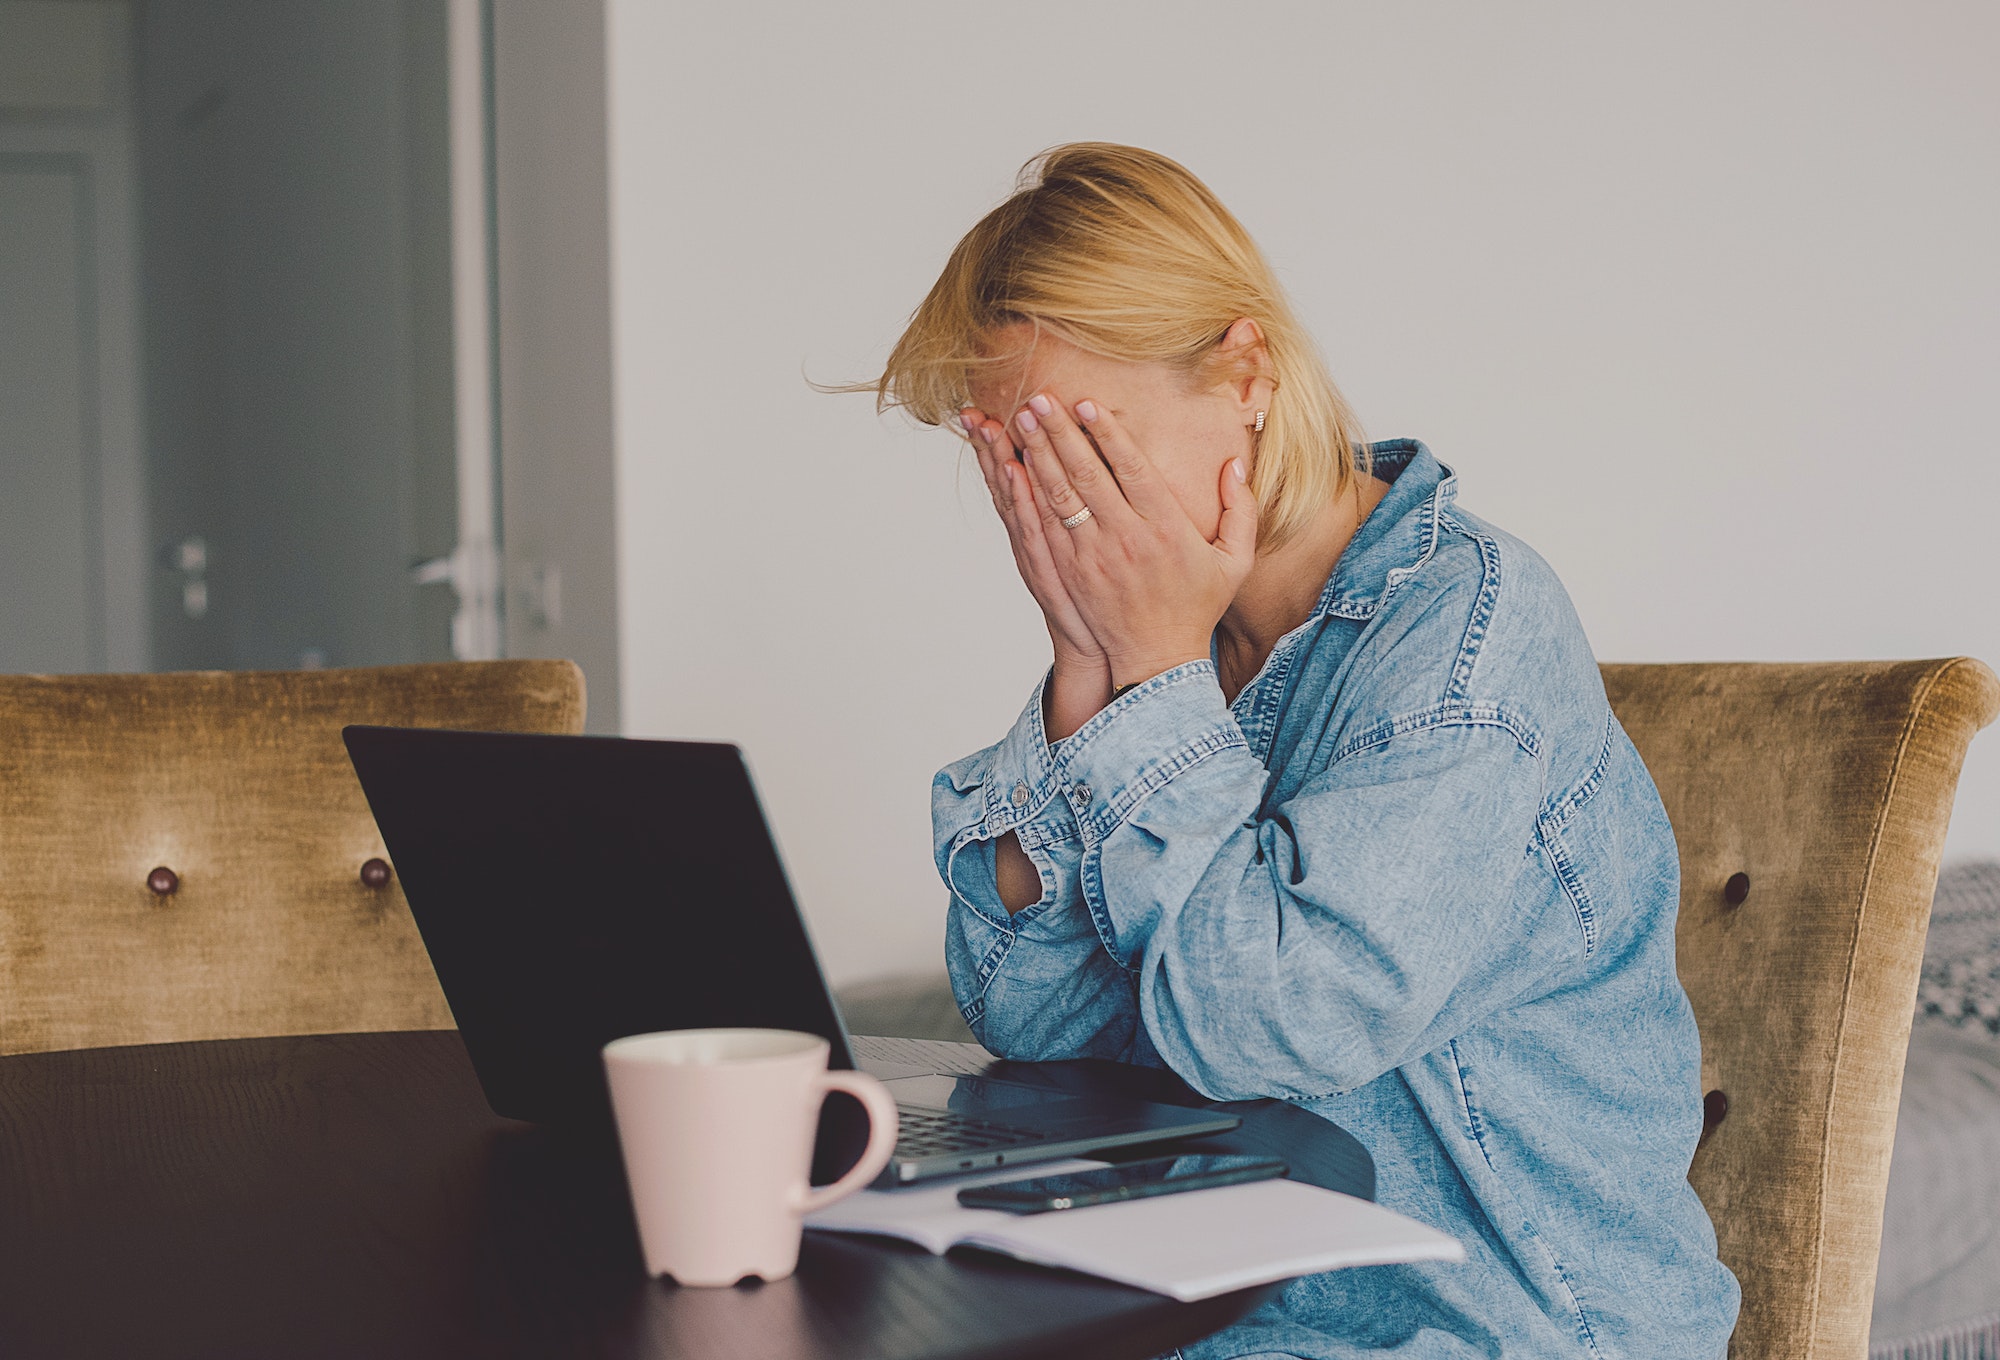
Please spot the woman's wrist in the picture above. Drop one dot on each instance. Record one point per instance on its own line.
(1078, 688)
(1128, 671)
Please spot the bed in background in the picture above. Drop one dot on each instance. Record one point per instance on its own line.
(1937, 1288)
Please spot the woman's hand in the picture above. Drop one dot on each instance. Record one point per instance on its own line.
(1143, 580)
(1081, 681)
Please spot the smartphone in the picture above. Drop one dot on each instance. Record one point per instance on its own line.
(1107, 1185)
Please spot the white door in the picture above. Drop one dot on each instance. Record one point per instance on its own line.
(285, 209)
(72, 550)
(296, 176)
(51, 614)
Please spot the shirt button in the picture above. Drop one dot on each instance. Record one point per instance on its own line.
(1020, 795)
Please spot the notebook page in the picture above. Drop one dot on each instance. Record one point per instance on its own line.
(1207, 1242)
(1189, 1246)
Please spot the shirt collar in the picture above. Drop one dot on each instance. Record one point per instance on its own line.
(1399, 537)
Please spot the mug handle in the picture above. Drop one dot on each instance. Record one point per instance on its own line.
(881, 1108)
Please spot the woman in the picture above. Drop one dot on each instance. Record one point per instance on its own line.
(1321, 798)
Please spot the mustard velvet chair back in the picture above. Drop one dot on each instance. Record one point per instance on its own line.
(237, 788)
(1810, 804)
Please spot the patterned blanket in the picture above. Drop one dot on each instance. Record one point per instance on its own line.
(1961, 979)
(1937, 1292)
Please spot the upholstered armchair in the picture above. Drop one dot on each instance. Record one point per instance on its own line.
(190, 857)
(1810, 803)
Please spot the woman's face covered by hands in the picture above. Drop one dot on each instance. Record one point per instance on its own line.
(1188, 431)
(1128, 511)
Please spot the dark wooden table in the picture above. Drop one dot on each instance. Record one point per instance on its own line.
(352, 1196)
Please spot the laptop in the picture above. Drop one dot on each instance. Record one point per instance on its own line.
(573, 890)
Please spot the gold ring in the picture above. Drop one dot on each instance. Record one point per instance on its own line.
(1076, 519)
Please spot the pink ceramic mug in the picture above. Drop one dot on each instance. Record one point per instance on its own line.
(717, 1129)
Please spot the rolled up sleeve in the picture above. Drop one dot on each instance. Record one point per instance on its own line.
(1308, 947)
(1035, 984)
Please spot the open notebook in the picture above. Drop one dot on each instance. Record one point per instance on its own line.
(1188, 1246)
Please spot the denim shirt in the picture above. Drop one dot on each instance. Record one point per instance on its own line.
(1415, 879)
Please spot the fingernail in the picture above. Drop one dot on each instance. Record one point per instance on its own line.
(1236, 466)
(1041, 404)
(965, 419)
(986, 433)
(1086, 411)
(1026, 419)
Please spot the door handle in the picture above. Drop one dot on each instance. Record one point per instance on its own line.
(435, 571)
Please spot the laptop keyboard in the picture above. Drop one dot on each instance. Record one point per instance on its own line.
(924, 1133)
(932, 1055)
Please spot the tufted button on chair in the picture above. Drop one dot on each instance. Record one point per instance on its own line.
(190, 857)
(1810, 804)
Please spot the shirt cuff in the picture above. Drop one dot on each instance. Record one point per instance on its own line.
(1139, 742)
(1020, 792)
(1024, 782)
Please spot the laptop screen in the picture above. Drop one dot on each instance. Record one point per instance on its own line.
(571, 890)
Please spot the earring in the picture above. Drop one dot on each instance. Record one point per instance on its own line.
(1258, 427)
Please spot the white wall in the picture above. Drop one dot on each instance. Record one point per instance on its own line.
(1700, 299)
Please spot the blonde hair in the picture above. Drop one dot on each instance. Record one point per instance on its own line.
(1124, 253)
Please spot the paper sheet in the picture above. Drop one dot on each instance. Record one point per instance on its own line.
(1188, 1246)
